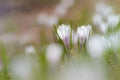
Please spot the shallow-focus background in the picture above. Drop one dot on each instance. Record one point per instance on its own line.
(29, 23)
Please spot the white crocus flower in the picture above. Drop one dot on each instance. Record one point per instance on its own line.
(103, 27)
(54, 53)
(114, 41)
(97, 46)
(100, 23)
(104, 9)
(89, 30)
(97, 19)
(105, 17)
(63, 32)
(113, 20)
(83, 32)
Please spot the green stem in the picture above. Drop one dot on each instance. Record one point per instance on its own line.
(78, 46)
(5, 63)
(71, 35)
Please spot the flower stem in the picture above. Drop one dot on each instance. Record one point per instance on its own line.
(5, 63)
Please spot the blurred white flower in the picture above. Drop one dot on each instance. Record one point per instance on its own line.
(29, 50)
(89, 30)
(60, 10)
(48, 20)
(105, 17)
(97, 46)
(64, 33)
(114, 40)
(83, 32)
(104, 9)
(22, 68)
(113, 20)
(54, 54)
(97, 19)
(103, 27)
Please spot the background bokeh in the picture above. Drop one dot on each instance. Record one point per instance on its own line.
(30, 22)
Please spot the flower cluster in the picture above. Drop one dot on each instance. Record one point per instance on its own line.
(65, 33)
(105, 18)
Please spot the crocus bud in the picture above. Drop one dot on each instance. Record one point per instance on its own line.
(63, 32)
(83, 33)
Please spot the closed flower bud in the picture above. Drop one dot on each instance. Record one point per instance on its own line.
(63, 32)
(83, 33)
